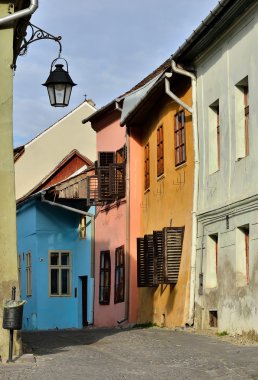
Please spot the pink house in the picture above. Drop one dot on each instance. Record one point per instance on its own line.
(107, 190)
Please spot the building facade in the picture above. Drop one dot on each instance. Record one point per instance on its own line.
(109, 196)
(226, 266)
(161, 195)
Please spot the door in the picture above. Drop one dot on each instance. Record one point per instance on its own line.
(84, 282)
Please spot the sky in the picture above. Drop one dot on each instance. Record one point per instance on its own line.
(110, 46)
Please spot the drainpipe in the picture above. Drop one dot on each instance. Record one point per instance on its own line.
(92, 217)
(193, 111)
(22, 13)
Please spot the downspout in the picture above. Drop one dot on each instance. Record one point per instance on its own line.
(92, 217)
(193, 111)
(22, 13)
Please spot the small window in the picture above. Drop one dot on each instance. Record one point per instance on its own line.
(160, 151)
(242, 255)
(179, 138)
(146, 166)
(212, 261)
(120, 275)
(242, 118)
(60, 270)
(214, 137)
(19, 272)
(82, 228)
(105, 278)
(28, 275)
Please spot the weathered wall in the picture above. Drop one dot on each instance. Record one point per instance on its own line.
(168, 200)
(222, 192)
(8, 255)
(41, 154)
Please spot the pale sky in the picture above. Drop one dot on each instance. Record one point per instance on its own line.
(110, 46)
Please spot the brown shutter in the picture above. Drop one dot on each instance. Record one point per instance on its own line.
(141, 264)
(150, 260)
(117, 180)
(159, 255)
(104, 183)
(106, 158)
(92, 190)
(172, 245)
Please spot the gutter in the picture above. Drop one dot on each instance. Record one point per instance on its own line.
(193, 111)
(17, 15)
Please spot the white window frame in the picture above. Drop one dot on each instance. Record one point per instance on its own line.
(59, 267)
(28, 275)
(241, 129)
(214, 138)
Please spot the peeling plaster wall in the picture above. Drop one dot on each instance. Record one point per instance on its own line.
(231, 190)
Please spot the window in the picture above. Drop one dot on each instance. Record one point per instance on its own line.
(60, 270)
(28, 274)
(159, 257)
(119, 275)
(212, 261)
(19, 272)
(160, 151)
(242, 118)
(214, 137)
(82, 228)
(146, 166)
(179, 138)
(242, 256)
(105, 278)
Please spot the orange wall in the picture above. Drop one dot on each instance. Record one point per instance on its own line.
(169, 199)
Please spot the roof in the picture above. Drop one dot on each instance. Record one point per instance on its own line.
(218, 20)
(53, 175)
(110, 107)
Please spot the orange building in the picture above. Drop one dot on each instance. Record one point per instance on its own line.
(161, 175)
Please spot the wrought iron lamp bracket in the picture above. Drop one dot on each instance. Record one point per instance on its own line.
(35, 34)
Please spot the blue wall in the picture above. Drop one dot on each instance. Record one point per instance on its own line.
(42, 228)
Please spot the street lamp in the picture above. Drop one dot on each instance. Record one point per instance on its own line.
(59, 85)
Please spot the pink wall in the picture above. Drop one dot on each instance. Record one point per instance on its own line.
(110, 226)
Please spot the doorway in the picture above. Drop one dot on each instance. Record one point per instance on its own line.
(84, 293)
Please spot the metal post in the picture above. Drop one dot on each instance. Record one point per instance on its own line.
(10, 358)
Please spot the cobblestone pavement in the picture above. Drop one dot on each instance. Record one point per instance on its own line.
(134, 354)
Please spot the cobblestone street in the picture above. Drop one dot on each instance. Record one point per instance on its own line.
(153, 353)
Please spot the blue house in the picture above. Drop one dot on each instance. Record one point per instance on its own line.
(56, 256)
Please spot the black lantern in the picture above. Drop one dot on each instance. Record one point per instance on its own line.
(59, 85)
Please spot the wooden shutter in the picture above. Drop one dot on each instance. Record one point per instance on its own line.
(92, 190)
(117, 180)
(150, 260)
(141, 264)
(106, 158)
(104, 183)
(172, 245)
(159, 255)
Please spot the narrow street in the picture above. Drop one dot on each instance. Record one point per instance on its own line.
(152, 353)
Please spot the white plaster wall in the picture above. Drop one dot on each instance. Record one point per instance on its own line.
(232, 59)
(47, 150)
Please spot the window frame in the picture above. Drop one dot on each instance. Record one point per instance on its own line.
(147, 166)
(28, 274)
(19, 262)
(83, 227)
(119, 284)
(59, 267)
(179, 138)
(160, 151)
(103, 269)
